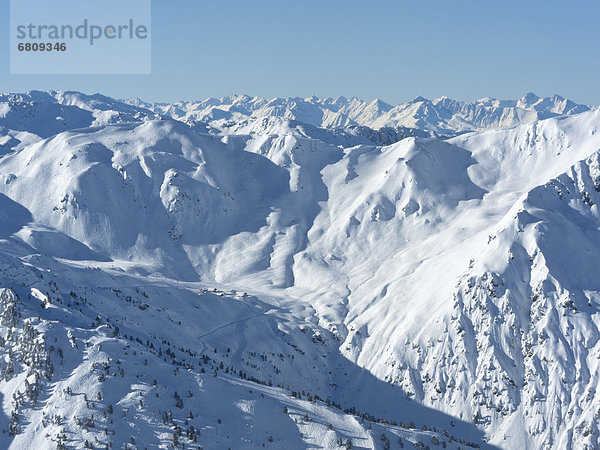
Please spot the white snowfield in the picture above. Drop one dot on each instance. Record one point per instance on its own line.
(241, 273)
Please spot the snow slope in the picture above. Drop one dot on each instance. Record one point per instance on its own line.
(274, 264)
(26, 118)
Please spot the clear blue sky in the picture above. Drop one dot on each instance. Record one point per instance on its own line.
(391, 49)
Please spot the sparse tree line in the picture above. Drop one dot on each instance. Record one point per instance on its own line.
(30, 351)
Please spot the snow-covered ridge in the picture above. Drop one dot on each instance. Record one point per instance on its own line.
(338, 121)
(296, 285)
(441, 115)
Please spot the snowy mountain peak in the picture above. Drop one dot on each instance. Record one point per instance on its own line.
(380, 105)
(419, 99)
(529, 99)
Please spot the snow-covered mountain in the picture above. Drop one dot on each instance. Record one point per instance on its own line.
(27, 118)
(442, 115)
(258, 279)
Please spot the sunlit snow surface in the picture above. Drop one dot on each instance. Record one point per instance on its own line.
(295, 284)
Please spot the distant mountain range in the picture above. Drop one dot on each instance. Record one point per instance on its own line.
(442, 116)
(339, 121)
